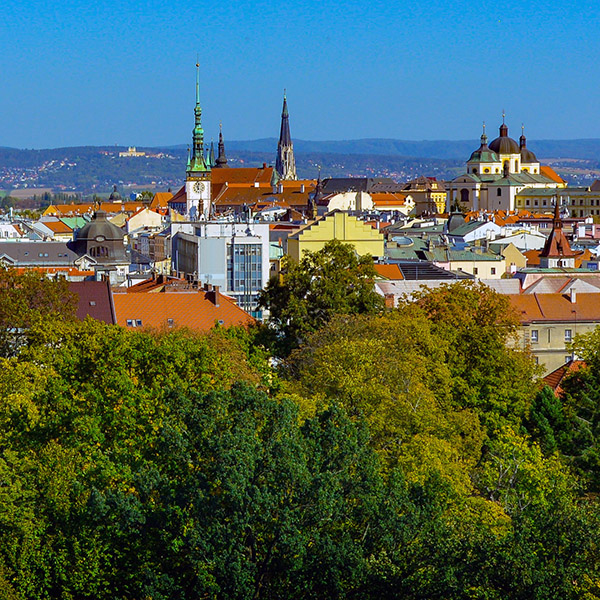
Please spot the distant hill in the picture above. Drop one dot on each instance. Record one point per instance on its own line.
(94, 169)
(443, 149)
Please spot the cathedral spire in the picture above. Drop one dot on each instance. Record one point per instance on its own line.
(221, 161)
(285, 163)
(197, 163)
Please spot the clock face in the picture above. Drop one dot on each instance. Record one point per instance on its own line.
(198, 187)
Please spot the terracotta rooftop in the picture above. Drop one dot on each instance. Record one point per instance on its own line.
(196, 310)
(550, 173)
(557, 376)
(160, 200)
(389, 271)
(558, 308)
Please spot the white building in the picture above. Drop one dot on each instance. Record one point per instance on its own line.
(233, 256)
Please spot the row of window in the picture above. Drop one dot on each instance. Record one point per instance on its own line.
(534, 335)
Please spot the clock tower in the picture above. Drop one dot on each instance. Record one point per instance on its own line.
(197, 183)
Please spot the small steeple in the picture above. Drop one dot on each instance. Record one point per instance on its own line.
(221, 161)
(211, 155)
(197, 163)
(484, 137)
(285, 163)
(522, 139)
(503, 127)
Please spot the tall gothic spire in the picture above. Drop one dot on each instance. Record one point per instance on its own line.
(197, 163)
(285, 164)
(221, 161)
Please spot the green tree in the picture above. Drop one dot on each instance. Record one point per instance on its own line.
(333, 280)
(29, 300)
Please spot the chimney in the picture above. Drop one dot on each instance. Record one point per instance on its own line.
(389, 300)
(302, 188)
(264, 165)
(573, 295)
(280, 188)
(215, 295)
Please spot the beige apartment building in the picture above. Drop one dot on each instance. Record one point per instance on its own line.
(550, 322)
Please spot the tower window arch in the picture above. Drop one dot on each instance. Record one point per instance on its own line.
(464, 196)
(499, 192)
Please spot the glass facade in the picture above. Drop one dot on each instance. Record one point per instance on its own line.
(244, 274)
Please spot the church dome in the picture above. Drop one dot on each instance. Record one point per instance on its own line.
(114, 195)
(504, 144)
(101, 240)
(483, 153)
(100, 227)
(527, 156)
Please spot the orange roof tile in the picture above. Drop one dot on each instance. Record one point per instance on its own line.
(194, 310)
(388, 271)
(555, 378)
(161, 199)
(532, 308)
(551, 174)
(57, 226)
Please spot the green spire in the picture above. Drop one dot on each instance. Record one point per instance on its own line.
(197, 163)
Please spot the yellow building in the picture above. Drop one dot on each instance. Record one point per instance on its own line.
(340, 226)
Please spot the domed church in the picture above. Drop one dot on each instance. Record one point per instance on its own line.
(497, 172)
(104, 244)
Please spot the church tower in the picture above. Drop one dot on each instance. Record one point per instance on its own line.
(197, 183)
(221, 161)
(285, 164)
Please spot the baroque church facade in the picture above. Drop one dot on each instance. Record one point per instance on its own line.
(497, 173)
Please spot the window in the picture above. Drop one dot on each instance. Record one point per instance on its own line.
(475, 270)
(170, 322)
(527, 202)
(486, 170)
(92, 303)
(568, 335)
(138, 323)
(499, 192)
(130, 323)
(493, 270)
(534, 336)
(568, 359)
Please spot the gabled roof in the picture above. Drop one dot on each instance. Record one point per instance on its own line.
(161, 199)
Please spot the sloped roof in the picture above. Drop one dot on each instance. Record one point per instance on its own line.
(194, 310)
(161, 199)
(550, 173)
(94, 300)
(389, 271)
(533, 308)
(557, 376)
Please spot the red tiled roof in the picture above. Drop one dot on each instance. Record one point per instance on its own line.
(161, 199)
(532, 308)
(195, 310)
(555, 378)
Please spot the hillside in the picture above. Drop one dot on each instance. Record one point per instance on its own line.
(94, 169)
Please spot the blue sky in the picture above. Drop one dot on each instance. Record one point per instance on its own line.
(82, 72)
